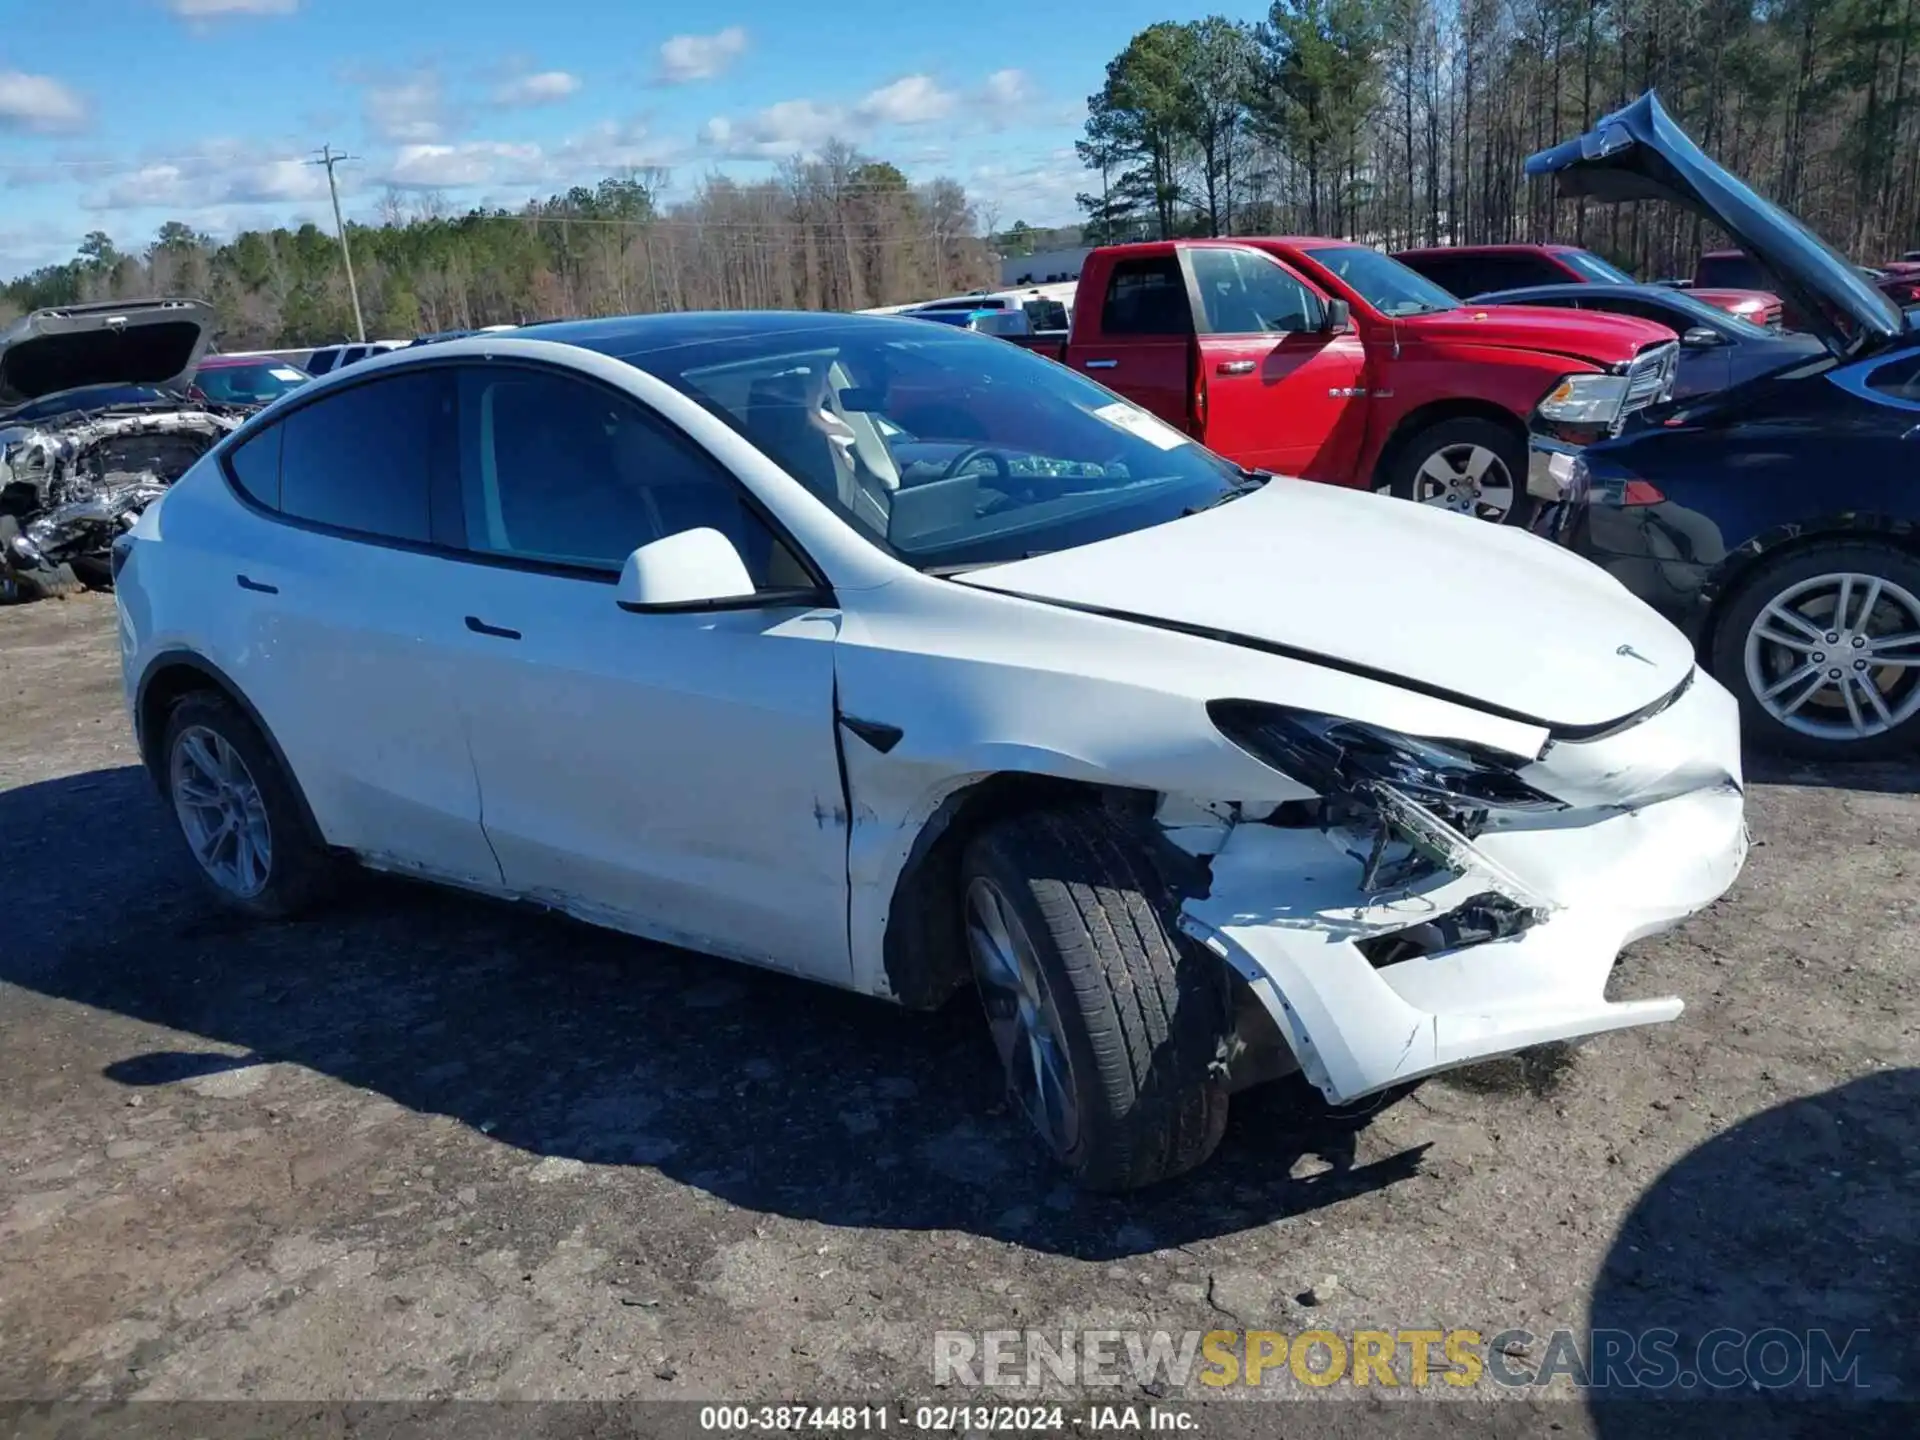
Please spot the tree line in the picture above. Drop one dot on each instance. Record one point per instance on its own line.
(1407, 122)
(841, 232)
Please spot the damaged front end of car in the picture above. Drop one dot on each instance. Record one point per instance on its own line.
(69, 487)
(1439, 902)
(93, 428)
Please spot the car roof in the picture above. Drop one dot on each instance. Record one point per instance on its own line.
(623, 335)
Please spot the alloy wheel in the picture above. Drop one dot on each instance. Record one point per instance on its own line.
(1467, 479)
(221, 811)
(1837, 657)
(1021, 1015)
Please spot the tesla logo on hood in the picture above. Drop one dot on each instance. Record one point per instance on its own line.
(1633, 654)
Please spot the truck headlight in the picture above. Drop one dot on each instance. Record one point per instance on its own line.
(1586, 400)
(1343, 758)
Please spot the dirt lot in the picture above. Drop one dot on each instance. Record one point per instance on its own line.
(424, 1146)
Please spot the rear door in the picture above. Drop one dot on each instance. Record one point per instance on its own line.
(1282, 391)
(1137, 338)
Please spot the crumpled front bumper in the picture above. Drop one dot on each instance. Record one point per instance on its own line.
(1286, 911)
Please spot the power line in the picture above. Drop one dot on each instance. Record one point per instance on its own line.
(329, 159)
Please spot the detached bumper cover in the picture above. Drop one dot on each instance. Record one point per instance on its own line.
(1286, 911)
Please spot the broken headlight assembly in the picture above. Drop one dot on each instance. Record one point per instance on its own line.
(1421, 801)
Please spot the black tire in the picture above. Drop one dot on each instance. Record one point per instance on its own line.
(20, 584)
(1144, 1015)
(1774, 578)
(92, 572)
(1506, 443)
(300, 871)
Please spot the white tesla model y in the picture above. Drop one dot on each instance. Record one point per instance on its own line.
(901, 659)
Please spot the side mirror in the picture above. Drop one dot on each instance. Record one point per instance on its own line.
(694, 570)
(1338, 319)
(1702, 337)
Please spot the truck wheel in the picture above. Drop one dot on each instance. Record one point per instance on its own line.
(1467, 465)
(1822, 648)
(1110, 1029)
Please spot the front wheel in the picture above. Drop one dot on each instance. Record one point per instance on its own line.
(1110, 1029)
(1822, 647)
(1467, 465)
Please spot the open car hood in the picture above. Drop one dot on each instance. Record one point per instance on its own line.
(1488, 615)
(133, 342)
(1639, 153)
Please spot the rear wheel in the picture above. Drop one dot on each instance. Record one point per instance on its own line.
(237, 811)
(1822, 647)
(1467, 465)
(1110, 1029)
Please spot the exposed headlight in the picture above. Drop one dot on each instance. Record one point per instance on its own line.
(1586, 400)
(1348, 758)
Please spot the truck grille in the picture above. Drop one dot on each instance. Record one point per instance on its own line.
(1650, 377)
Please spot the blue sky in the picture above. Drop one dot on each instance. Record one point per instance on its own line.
(118, 114)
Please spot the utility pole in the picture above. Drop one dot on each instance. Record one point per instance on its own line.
(329, 159)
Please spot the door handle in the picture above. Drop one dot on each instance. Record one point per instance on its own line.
(257, 586)
(1100, 364)
(480, 627)
(1234, 367)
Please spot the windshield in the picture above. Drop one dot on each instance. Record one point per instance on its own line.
(1382, 281)
(1594, 268)
(946, 448)
(249, 384)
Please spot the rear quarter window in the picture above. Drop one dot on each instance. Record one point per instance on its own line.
(254, 465)
(361, 459)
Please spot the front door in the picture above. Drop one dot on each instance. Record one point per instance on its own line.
(1283, 392)
(671, 774)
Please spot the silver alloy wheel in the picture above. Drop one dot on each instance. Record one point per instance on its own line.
(221, 811)
(1020, 1013)
(1467, 479)
(1837, 657)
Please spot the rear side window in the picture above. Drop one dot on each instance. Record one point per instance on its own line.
(1147, 297)
(1450, 273)
(255, 467)
(361, 459)
(1734, 272)
(321, 361)
(1245, 293)
(1046, 314)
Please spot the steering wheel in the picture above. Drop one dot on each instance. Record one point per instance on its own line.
(1001, 470)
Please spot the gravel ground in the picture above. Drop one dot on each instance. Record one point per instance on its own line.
(424, 1146)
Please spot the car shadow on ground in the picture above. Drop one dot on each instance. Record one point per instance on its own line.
(1780, 1250)
(775, 1094)
(1886, 777)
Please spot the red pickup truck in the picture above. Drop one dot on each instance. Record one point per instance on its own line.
(1331, 361)
(1469, 270)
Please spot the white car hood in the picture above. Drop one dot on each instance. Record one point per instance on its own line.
(1496, 617)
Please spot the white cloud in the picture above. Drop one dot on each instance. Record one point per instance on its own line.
(589, 156)
(910, 100)
(1040, 192)
(548, 87)
(214, 9)
(409, 110)
(39, 104)
(224, 173)
(775, 132)
(686, 58)
(1008, 89)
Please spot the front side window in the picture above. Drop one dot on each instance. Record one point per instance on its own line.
(361, 458)
(1387, 285)
(1245, 293)
(944, 448)
(556, 470)
(1147, 297)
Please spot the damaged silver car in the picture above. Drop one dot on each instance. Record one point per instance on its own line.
(93, 428)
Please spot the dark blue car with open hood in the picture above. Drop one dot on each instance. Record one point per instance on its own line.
(1778, 521)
